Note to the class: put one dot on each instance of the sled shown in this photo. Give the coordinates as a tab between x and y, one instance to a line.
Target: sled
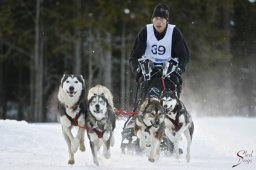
129	141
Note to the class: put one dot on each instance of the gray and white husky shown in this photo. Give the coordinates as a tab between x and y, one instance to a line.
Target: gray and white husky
177	121
101	121
149	127
72	111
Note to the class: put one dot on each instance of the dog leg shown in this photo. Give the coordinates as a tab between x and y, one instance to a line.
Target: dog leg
82	146
80	133
182	129
189	140
176	148
141	138
112	140
77	140
66	127
106	144
169	134
94	144
106	147
155	146
71	160
94	154
106	136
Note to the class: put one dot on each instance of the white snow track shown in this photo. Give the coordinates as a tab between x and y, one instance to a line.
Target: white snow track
216	142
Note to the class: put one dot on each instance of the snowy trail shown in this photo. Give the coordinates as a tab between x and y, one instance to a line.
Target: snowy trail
216	141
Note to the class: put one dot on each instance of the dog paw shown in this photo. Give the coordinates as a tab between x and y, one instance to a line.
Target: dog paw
71	162
151	159
74	145
188	158
112	141
107	154
82	147
177	156
95	161
142	145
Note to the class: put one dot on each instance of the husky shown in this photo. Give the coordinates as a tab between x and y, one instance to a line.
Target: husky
149	127
99	90
72	111
177	121
101	121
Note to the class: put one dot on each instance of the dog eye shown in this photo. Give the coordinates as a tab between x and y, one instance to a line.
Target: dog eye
152	114
67	81
76	81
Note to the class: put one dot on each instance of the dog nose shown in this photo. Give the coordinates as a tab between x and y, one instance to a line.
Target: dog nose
71	88
157	121
97	107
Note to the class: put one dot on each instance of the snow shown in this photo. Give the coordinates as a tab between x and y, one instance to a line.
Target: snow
216	142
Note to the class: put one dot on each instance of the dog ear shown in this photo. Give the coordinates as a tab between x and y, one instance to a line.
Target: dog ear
82	78
161	101
144	105
62	79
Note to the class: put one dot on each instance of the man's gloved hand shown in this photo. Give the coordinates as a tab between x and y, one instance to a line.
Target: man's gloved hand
138	74
173	62
138	70
179	71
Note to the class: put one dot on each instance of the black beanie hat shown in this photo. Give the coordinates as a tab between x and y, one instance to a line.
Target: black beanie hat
161	10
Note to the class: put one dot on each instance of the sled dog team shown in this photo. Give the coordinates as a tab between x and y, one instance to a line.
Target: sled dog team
95	114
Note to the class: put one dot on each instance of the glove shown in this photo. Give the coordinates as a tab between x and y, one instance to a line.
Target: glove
179	71
169	68
173	62
138	75
138	70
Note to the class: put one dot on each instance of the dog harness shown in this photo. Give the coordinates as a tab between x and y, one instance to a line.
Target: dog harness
73	120
177	125
97	126
98	132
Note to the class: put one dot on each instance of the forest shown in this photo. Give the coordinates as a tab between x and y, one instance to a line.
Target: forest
40	40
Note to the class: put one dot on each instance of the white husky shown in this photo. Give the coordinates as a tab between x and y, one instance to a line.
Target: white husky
100	121
72	111
177	121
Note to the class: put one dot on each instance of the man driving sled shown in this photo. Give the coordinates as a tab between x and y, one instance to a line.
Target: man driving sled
159	57
160	42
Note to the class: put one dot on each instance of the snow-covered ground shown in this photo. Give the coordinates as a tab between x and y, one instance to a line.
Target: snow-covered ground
216	142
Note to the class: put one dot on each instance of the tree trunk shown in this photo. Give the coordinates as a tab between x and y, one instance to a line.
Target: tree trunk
128	81
122	65
2	114
31	117
43	102
38	68
99	60
20	92
107	79
77	42
91	53
226	20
